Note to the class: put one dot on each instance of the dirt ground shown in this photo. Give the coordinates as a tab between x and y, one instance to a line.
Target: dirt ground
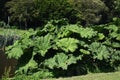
6	65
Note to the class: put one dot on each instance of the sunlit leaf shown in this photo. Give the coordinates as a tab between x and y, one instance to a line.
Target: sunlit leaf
68	44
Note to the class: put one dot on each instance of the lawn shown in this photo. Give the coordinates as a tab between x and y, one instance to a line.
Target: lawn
11	31
95	76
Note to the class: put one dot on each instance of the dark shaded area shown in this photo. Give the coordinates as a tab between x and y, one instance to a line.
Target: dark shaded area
3	11
6	64
83	67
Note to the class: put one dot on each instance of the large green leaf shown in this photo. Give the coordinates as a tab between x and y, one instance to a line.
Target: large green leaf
61	60
63	32
99	51
112	28
51	63
87	32
68	44
42	44
73	28
64	61
15	52
84	32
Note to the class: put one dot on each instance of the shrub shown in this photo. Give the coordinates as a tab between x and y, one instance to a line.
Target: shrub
66	50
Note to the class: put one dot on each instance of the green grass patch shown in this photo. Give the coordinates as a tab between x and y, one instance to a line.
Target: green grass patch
11	31
95	76
91	76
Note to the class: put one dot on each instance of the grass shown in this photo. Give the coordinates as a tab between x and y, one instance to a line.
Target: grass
95	76
91	76
11	31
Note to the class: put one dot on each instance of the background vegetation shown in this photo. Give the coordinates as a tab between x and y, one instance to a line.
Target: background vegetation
35	13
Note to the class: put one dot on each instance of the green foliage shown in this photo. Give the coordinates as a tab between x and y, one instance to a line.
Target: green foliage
99	51
14	52
42	44
56	49
116	21
34	13
117	6
84	32
60	60
114	8
67	44
39	11
91	11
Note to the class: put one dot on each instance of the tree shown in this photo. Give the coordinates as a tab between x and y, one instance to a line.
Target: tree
114	7
38	12
92	11
20	11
